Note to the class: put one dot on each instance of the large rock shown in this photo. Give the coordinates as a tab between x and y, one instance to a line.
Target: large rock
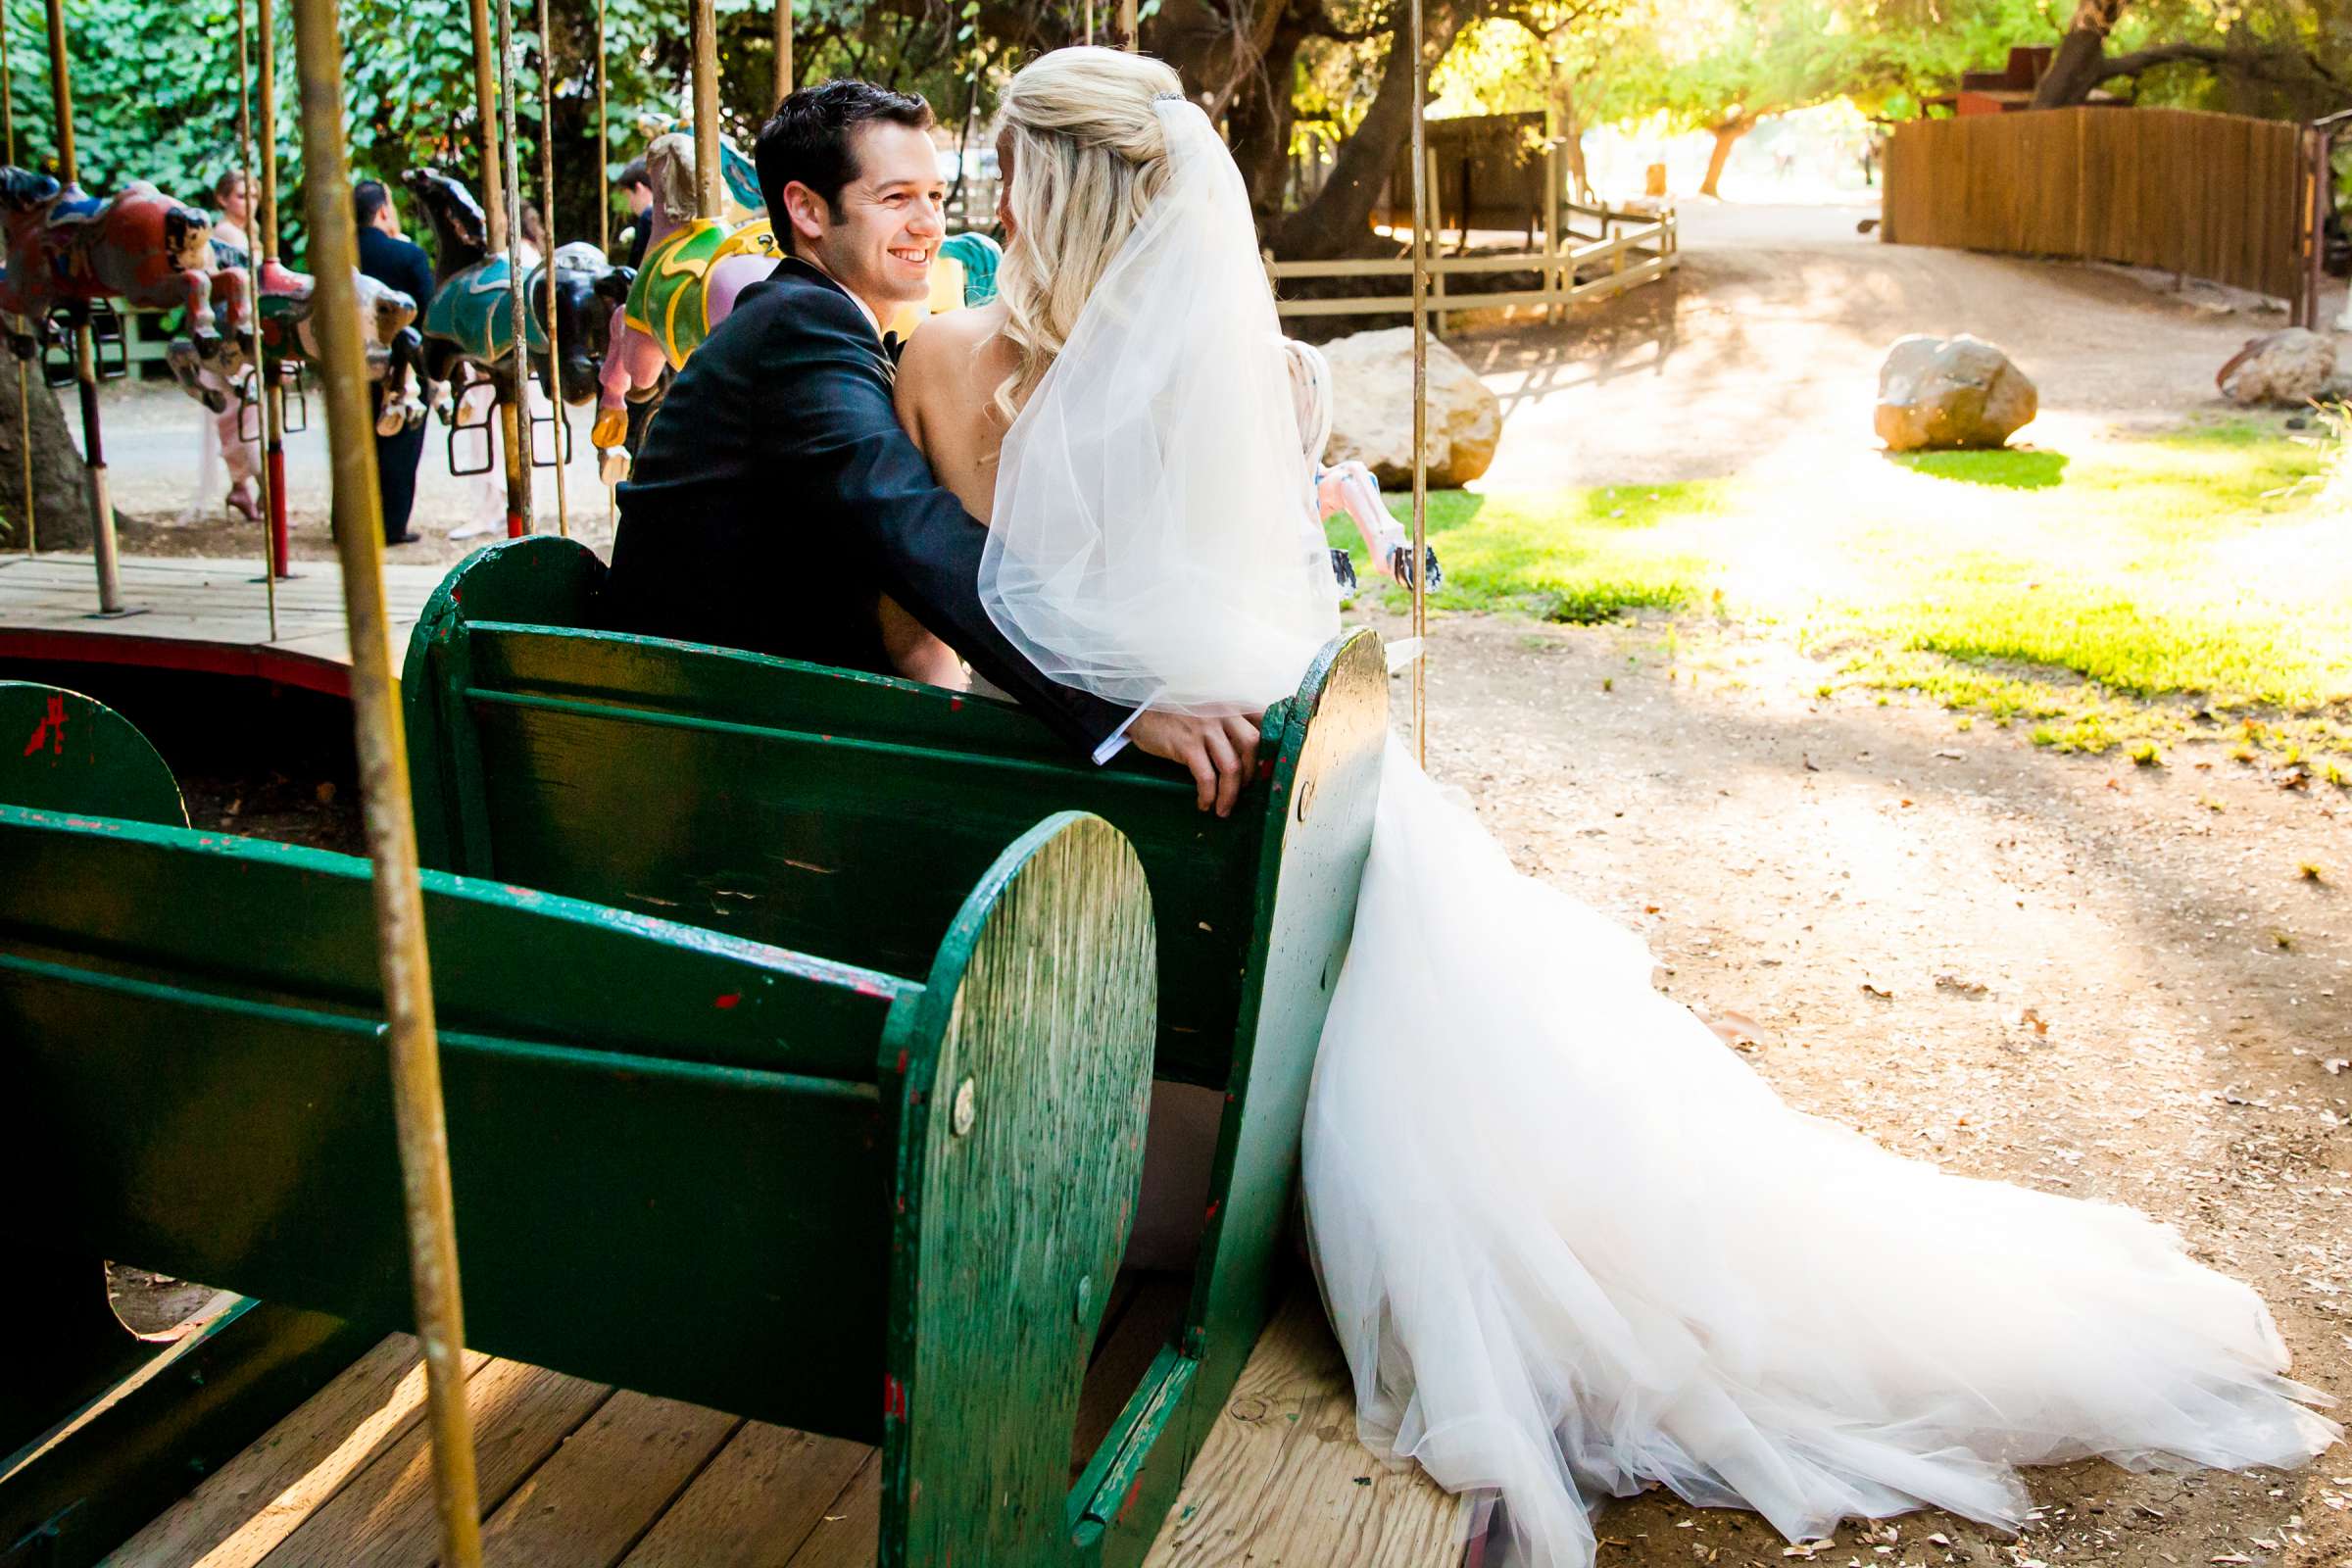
2293	367
1950	392
1372	410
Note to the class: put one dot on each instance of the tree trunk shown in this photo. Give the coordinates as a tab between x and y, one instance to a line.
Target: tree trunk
61	486
1570	128
1336	222
1727	135
1258	124
2082	53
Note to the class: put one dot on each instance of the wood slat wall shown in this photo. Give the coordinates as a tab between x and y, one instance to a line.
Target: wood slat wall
2213	196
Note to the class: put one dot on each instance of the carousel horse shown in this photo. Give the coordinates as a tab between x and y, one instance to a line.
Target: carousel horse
469	322
695	268
67	249
395	350
1347	488
739	199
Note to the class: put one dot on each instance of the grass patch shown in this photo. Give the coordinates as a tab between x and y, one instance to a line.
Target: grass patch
2133	591
2008	469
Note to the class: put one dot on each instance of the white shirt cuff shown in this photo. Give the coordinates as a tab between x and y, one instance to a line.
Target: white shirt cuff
1116	741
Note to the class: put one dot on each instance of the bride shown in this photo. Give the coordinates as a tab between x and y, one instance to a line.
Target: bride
1569	1244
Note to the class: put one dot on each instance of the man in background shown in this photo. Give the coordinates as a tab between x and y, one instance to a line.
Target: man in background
637	189
389	257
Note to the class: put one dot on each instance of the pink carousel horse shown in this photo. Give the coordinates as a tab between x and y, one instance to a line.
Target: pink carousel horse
695	268
67	249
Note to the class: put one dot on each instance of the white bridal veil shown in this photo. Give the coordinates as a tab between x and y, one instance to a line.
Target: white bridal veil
1145	544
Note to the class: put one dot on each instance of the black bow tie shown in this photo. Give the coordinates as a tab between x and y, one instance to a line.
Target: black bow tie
894	346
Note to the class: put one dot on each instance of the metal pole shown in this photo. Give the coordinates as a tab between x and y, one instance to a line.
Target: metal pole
702	25
485	118
547	262
8	123
273	499
415	1051
1421	195
265	211
604	186
85	352
511	409
783	49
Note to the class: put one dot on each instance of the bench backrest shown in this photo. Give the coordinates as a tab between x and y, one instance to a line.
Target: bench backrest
63	752
196	1018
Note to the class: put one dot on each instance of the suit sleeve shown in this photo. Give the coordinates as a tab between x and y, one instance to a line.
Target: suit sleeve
921	544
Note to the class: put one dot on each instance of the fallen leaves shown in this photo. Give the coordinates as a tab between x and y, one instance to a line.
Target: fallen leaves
1962	984
1871	988
2030	1019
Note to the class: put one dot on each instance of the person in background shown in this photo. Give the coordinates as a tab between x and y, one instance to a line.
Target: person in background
223	433
388	257
534	236
637	189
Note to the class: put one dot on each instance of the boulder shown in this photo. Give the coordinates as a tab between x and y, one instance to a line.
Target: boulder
1372	410
1950	392
2294	366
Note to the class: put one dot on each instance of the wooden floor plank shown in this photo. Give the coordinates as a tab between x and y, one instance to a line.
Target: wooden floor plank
754	1505
848	1533
1282	1479
606	1486
214	603
241	1511
383	1518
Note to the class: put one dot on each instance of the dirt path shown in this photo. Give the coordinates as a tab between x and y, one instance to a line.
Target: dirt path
1790	858
1762	354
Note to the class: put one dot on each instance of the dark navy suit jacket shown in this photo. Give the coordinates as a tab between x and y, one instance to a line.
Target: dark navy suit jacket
776	496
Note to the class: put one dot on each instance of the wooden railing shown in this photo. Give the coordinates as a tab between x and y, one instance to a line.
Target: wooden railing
1645	248
2211	196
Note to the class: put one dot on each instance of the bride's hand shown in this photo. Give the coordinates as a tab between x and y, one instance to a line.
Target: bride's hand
1221	753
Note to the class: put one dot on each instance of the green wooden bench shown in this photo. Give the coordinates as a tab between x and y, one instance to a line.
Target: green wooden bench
819	807
883	1205
63	752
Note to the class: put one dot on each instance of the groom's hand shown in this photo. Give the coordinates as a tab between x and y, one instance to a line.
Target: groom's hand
1221	753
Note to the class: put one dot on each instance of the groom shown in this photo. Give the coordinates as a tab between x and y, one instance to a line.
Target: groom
776	496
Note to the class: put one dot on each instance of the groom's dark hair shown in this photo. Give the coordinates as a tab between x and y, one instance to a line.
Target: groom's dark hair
810	139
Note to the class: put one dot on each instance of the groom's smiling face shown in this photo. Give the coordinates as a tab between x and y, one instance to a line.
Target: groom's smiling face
877	241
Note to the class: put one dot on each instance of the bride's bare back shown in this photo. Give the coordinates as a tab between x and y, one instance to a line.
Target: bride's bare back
947	377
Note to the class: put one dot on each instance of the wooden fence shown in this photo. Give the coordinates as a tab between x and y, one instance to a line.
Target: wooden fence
1633	248
2213	196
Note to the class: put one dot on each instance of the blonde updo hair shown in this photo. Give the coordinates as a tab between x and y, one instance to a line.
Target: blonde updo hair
1088	154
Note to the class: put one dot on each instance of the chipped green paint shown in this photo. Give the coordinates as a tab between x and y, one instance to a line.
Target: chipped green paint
727	1146
66	752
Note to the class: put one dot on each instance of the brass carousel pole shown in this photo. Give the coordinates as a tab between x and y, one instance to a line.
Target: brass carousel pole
1420	394
8	125
274	500
604	187
414	1049
703	28
547	262
493	237
514	423
264	213
783	49
85	350
1128	27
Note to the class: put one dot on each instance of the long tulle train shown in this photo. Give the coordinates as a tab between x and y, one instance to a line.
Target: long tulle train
1572	1246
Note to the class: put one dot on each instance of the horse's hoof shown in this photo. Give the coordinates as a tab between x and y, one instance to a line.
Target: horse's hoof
391	421
611	429
614	466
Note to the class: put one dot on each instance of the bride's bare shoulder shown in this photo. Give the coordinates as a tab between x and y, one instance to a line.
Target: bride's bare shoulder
946	346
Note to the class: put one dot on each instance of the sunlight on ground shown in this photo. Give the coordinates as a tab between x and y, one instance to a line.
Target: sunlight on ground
2199	564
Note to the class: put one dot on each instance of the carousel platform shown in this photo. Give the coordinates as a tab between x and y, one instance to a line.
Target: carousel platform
577	1475
201	615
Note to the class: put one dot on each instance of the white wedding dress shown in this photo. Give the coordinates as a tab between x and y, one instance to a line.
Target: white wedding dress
1571	1244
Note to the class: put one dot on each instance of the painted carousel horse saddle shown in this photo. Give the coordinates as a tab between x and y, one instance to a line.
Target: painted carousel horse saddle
473	310
670	301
